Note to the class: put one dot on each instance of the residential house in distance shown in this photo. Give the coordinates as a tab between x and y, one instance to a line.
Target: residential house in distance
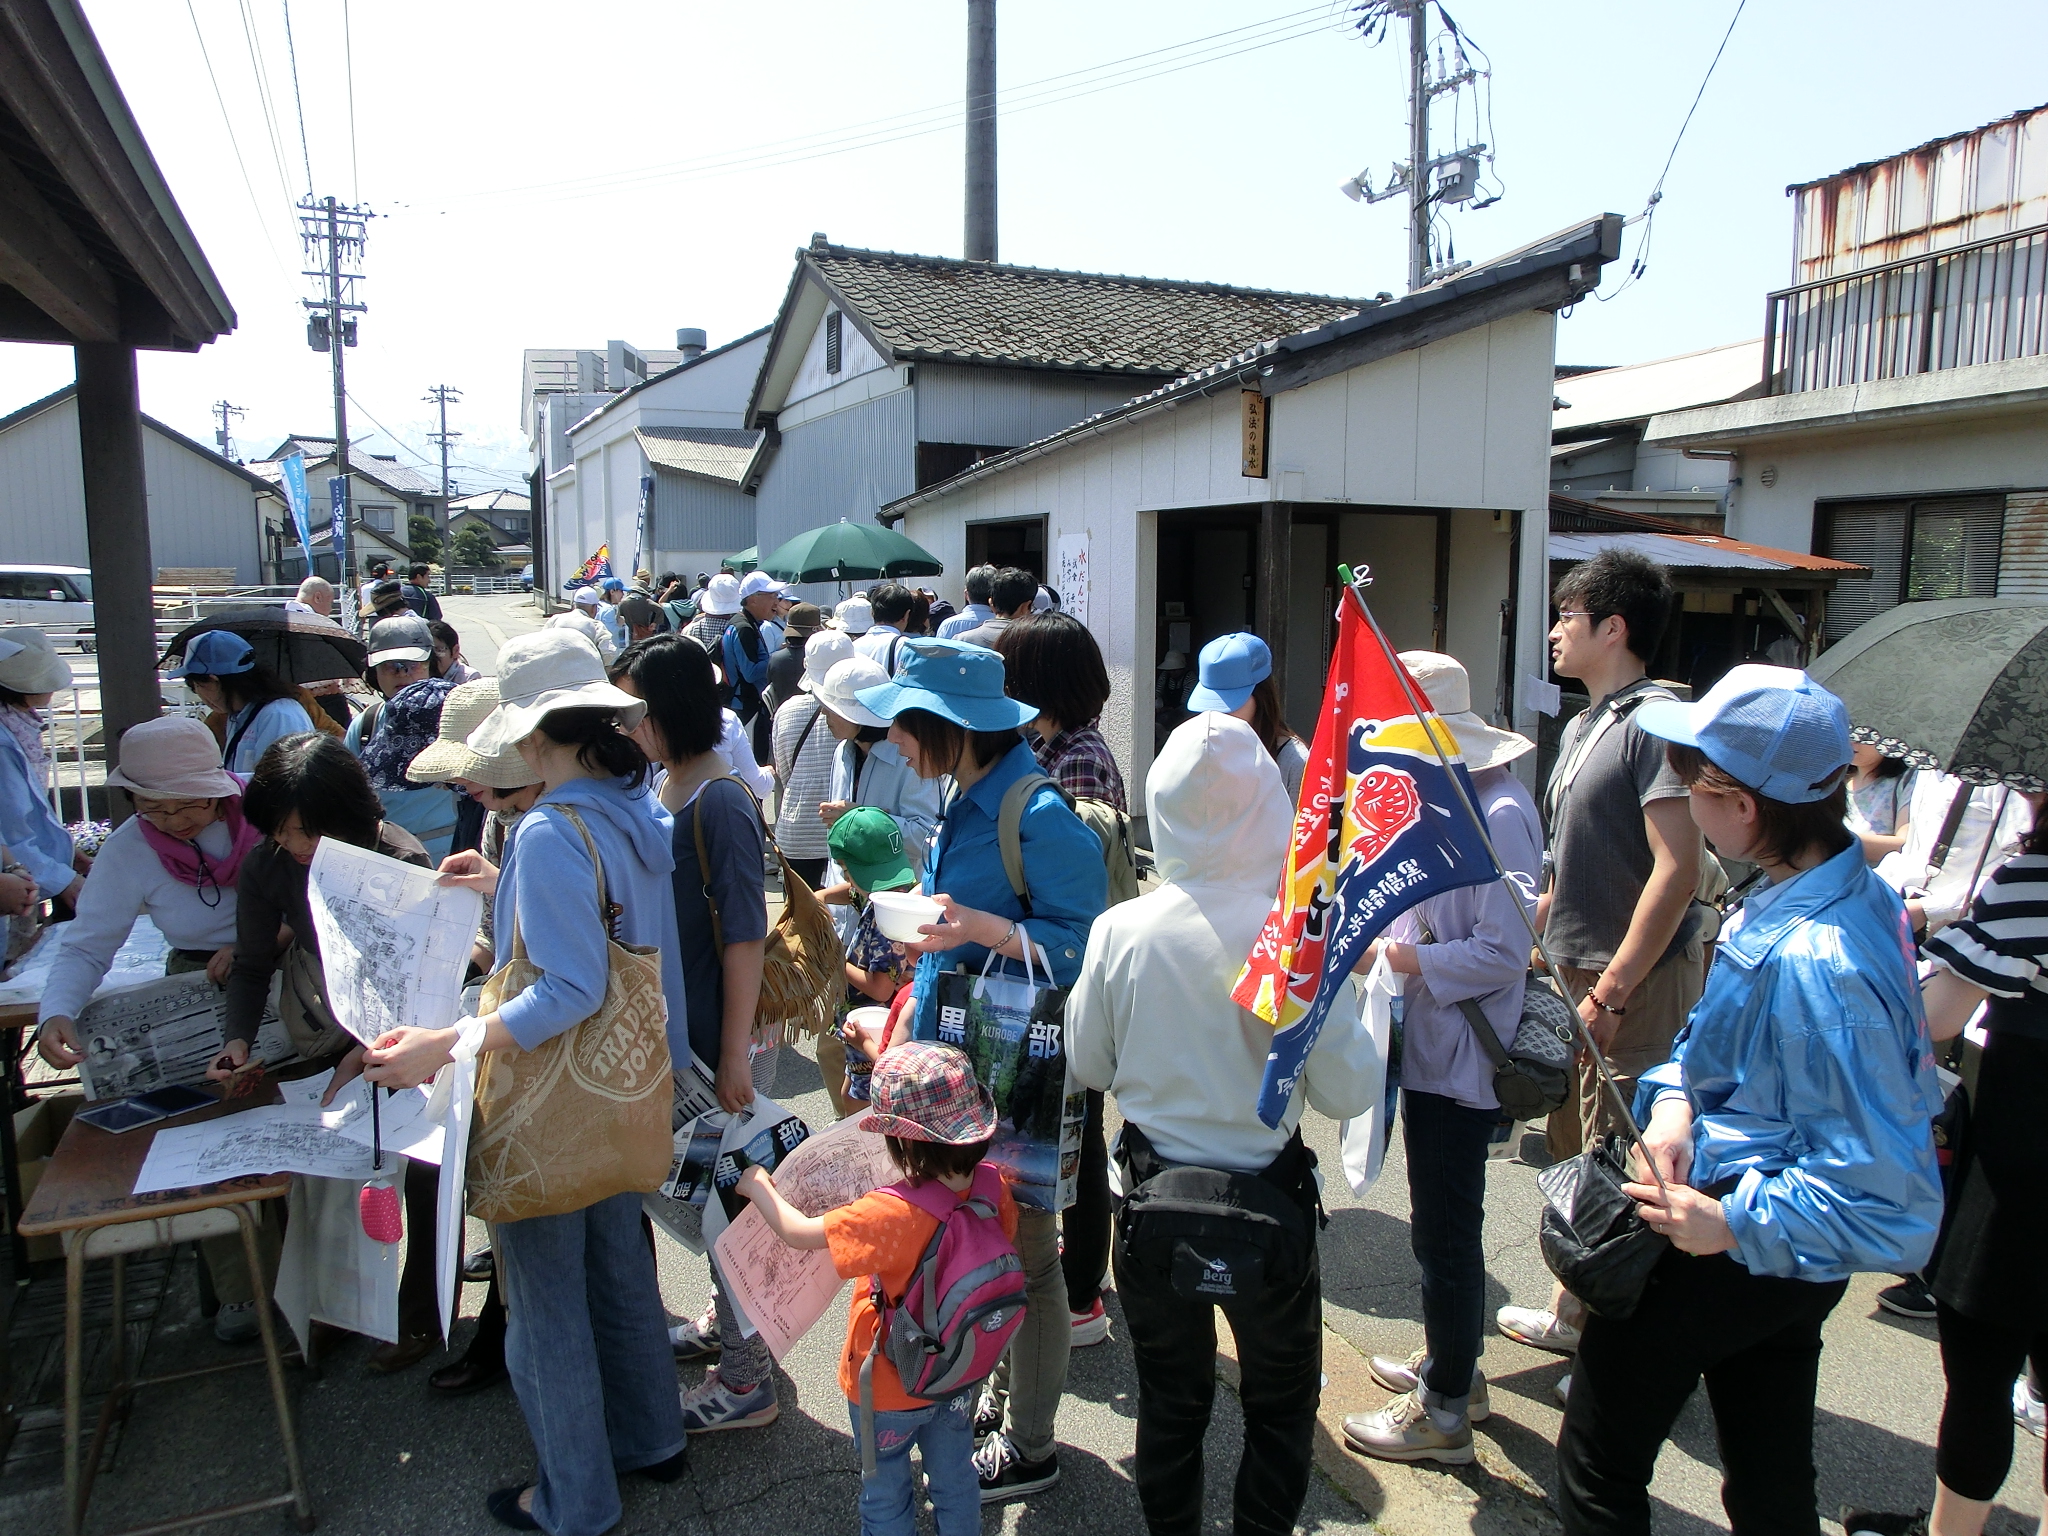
206	513
383	494
656	468
1410	436
506	517
1902	420
887	374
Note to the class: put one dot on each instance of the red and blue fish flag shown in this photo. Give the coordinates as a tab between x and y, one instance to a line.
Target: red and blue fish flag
1379	828
593	570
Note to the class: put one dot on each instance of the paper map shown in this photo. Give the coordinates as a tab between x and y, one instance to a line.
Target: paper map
394	943
781	1290
274	1138
160	1032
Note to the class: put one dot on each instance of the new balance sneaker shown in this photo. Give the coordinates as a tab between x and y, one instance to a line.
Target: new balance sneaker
696	1338
1005	1475
1406	1376
1909	1298
1090	1327
1872	1522
713	1405
236	1322
988	1414
2028	1411
1404	1431
1538	1328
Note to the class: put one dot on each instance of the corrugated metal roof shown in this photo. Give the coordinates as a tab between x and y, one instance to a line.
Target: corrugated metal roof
713	453
1639	391
1699	552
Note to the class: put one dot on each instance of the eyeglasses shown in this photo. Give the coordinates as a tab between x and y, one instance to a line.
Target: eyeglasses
1579	613
166	810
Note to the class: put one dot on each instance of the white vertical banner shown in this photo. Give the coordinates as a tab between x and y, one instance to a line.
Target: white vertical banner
1070	574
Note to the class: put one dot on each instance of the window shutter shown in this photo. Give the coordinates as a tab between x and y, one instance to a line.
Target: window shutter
1873	534
832	342
2023	547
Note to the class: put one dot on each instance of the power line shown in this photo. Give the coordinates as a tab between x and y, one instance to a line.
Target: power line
298	100
235	143
263	100
348	54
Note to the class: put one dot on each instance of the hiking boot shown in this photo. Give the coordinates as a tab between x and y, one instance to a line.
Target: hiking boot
714	1406
1871	1522
1538	1328
1090	1327
1404	1431
1909	1298
1406	1376
696	1338
236	1323
1005	1475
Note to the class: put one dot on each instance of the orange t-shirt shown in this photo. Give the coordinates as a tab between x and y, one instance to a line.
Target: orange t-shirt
881	1234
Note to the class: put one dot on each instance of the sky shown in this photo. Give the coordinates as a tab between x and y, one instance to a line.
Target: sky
549	175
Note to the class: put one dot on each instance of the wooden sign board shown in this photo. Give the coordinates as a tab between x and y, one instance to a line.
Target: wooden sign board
1256	414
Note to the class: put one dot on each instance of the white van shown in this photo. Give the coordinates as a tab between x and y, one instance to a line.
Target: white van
56	598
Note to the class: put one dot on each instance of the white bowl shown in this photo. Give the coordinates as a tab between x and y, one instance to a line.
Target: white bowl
899	914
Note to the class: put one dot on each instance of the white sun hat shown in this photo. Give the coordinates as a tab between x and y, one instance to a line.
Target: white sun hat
856	615
822	652
846	678
1446	685
722	596
540	673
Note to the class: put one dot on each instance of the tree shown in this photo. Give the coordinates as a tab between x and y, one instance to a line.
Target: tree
474	547
424	536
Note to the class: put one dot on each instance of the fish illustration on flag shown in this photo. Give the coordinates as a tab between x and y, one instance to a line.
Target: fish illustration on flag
596	568
1379	828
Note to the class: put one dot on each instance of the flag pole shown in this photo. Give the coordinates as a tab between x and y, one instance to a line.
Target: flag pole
1355	583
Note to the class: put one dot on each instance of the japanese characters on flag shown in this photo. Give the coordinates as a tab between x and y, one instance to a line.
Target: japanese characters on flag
1379	828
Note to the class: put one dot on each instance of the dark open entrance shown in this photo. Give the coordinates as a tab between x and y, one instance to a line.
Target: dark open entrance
1018	541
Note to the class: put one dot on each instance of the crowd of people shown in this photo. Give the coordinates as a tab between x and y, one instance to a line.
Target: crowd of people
1776	1040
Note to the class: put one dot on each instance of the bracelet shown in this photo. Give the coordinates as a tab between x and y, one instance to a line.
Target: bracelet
1606	1007
999	943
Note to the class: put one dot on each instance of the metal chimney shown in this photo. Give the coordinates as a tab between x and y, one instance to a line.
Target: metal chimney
981	130
690	341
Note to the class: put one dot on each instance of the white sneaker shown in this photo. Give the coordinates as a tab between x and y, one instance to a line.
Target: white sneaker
2028	1410
1406	1376
1404	1431
1538	1328
1563	1390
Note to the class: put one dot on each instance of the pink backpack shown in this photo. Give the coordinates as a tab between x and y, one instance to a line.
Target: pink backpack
965	1299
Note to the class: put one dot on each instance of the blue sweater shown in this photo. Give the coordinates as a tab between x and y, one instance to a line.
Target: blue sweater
29	829
549	889
1062	870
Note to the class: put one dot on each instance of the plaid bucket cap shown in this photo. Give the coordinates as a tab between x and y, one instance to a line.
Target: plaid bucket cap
922	1091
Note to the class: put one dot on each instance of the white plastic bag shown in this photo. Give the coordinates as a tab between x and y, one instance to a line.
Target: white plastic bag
1364	1140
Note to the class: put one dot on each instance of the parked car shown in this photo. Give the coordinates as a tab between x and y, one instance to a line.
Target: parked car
526	577
57	598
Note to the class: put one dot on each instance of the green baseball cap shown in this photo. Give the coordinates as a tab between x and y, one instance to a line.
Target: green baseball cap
868	845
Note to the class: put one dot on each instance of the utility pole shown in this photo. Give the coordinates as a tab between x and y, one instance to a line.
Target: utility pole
981	131
223	410
333	234
1418	143
440	395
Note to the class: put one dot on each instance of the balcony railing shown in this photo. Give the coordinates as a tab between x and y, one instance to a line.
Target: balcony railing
1981	303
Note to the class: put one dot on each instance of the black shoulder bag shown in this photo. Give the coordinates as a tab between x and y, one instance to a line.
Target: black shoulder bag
1532	1076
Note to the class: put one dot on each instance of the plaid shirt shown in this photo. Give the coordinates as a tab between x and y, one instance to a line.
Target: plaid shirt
1081	763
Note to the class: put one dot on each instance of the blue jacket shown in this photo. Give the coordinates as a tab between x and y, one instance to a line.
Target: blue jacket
29	829
1812	1082
549	890
1062	870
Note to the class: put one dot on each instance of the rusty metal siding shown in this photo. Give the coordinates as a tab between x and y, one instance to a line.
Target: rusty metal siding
1972	186
2023	551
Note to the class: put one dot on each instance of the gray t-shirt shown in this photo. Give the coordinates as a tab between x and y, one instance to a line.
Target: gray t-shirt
1599	853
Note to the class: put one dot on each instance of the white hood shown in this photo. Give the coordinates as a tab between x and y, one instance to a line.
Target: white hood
1219	812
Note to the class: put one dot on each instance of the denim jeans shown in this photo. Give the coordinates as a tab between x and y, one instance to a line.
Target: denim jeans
944	1436
1446	1146
1034	1369
587	1347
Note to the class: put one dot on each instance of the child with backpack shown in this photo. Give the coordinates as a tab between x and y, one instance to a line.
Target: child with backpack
940	1291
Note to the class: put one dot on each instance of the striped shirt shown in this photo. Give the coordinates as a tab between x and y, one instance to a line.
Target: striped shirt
805	777
2002	945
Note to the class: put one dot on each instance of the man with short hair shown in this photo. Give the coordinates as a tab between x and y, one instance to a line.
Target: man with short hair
1619	917
582	617
1011	595
317	594
642	620
417	596
980	581
890	605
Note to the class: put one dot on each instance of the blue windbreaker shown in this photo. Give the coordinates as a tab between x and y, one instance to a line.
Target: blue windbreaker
1812	1082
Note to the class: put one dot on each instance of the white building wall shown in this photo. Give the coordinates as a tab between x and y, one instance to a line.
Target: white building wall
856	357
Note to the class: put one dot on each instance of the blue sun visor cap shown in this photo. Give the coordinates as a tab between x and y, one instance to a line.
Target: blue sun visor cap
217	653
1772	728
1232	666
957	682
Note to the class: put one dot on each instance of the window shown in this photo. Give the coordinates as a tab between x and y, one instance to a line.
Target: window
383	519
832	342
1916	551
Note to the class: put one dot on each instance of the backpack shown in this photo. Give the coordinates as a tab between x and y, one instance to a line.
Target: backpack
1112	828
948	1330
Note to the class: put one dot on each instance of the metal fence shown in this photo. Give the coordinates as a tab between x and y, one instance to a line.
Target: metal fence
1980	303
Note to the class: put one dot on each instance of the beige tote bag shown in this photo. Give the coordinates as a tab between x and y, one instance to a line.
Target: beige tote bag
584	1116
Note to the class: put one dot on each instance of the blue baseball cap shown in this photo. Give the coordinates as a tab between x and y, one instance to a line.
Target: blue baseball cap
612	584
1772	728
1232	666
955	681
216	653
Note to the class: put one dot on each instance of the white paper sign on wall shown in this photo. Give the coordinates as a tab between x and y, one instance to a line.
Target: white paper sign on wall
1070	574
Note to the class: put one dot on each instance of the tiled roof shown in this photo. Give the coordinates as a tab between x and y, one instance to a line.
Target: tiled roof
490	501
382	468
940	309
715	453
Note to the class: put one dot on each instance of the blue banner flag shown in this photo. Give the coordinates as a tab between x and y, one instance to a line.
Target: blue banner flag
337	495
294	476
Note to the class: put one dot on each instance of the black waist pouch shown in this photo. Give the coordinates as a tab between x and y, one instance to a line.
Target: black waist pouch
1216	1236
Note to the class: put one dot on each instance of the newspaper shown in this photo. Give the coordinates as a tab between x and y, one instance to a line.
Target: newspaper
781	1290
161	1032
394	943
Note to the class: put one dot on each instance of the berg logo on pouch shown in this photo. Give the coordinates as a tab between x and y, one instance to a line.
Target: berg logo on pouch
1216	1278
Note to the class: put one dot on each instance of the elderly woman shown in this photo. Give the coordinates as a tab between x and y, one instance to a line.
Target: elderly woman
30	671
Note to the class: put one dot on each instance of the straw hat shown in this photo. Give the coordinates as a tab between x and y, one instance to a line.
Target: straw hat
540	673
173	757
1448	689
29	663
450	756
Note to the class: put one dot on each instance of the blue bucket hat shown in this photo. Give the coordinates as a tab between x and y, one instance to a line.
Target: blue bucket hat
1232	666
1772	728
217	653
955	681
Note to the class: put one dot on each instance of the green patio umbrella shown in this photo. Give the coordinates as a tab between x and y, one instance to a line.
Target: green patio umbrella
742	562
849	551
1960	685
